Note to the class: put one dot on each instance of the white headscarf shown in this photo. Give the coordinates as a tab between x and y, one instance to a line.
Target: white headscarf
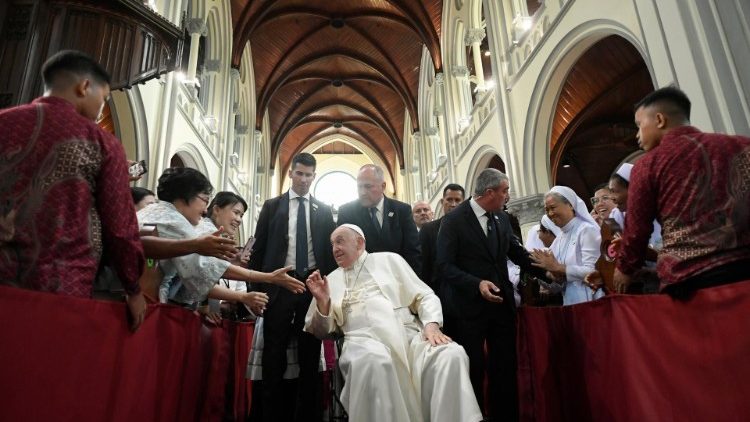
532	239
549	225
582	212
355	228
624	171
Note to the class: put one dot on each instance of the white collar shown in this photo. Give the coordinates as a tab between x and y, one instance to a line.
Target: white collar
478	210
358	263
381	205
293	194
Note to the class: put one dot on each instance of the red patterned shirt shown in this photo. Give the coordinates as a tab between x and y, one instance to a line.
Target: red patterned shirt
64	200
697	185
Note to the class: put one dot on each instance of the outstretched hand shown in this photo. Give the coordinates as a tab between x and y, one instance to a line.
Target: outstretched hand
318	286
215	245
282	279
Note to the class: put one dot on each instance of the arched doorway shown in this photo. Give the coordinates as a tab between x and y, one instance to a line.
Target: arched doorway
593	129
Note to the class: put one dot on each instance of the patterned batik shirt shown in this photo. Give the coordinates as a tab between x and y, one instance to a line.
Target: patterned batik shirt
64	201
697	185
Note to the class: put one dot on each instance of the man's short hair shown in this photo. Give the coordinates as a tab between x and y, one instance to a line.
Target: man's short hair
455	186
182	183
670	100
304	158
76	63
488	179
223	199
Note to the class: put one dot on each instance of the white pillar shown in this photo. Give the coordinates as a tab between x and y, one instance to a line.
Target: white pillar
196	28
474	38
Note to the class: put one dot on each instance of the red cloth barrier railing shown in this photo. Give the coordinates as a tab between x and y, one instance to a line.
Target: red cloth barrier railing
65	358
638	358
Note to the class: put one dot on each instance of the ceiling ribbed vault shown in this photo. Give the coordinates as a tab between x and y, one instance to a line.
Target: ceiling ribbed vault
337	67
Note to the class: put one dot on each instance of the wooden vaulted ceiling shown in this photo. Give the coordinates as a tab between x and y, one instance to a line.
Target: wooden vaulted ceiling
593	129
348	68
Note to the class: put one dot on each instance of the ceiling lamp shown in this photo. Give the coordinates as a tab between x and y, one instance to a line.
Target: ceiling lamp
337	23
338	83
338	124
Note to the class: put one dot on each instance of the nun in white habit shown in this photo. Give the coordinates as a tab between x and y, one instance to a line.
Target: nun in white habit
575	250
397	364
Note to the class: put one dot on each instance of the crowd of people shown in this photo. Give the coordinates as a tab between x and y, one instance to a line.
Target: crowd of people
426	308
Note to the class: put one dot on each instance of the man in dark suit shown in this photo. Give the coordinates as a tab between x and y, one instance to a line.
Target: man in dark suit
293	230
453	195
387	223
474	242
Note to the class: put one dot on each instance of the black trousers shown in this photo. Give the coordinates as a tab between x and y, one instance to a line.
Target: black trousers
496	326
284	318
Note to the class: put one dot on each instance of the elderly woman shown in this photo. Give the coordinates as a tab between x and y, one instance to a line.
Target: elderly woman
576	250
184	194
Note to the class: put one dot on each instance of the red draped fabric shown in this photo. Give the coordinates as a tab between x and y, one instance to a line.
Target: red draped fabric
638	358
67	358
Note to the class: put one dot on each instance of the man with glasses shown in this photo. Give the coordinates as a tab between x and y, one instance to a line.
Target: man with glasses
603	203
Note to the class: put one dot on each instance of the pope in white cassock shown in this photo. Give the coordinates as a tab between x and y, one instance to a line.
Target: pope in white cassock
397	366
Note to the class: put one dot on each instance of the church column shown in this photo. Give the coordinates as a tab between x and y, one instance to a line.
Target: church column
474	38
528	209
196	27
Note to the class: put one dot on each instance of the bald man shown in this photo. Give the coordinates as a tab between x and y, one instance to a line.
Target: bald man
422	212
387	223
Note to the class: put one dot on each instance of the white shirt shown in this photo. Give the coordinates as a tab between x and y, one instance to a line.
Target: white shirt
291	252
480	213
379	213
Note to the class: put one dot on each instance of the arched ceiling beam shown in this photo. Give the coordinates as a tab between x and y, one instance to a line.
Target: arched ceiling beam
343	78
381	114
269	90
358	135
331	120
289	125
281	134
428	31
361	14
276	72
241	33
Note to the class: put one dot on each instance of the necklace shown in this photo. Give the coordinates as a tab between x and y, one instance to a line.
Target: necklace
356	278
352	296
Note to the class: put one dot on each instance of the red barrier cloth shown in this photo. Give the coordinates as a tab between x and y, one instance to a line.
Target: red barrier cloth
638	358
68	358
242	337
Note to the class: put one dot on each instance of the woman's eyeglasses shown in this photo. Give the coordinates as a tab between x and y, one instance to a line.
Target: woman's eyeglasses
596	200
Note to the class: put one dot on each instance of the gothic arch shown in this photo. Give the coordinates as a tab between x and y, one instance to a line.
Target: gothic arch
538	125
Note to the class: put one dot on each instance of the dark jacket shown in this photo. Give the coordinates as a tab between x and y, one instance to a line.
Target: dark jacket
464	258
398	234
272	240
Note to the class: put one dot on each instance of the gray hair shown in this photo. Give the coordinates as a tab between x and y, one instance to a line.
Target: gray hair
558	198
378	171
488	179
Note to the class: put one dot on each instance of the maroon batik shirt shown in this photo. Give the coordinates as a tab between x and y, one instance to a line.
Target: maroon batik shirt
64	199
697	185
